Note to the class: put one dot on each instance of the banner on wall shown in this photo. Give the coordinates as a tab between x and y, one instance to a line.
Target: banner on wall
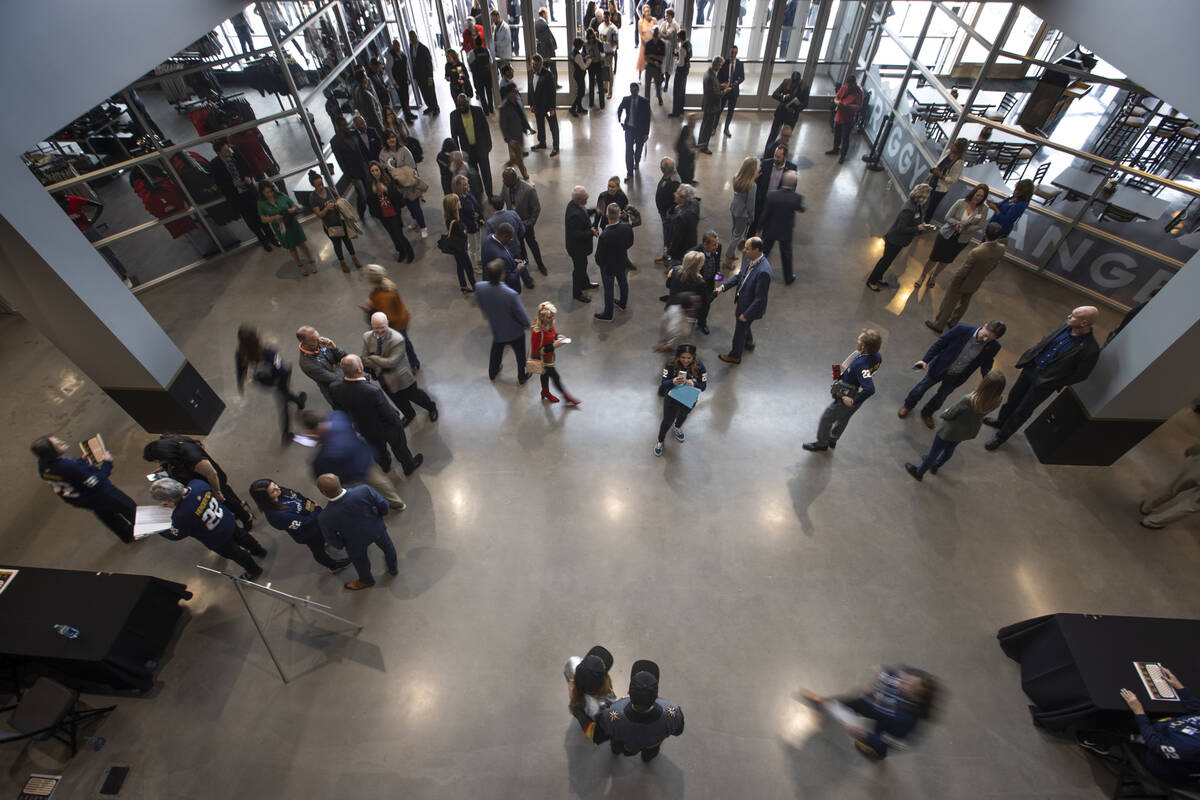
1098	265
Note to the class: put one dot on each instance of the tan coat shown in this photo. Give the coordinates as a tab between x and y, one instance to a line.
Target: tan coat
978	264
391	366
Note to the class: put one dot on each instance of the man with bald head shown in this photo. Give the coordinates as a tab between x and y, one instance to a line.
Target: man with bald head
319	359
374	415
352	520
1064	357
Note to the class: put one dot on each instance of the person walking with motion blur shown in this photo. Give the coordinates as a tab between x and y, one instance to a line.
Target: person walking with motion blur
900	699
543	342
961	422
263	363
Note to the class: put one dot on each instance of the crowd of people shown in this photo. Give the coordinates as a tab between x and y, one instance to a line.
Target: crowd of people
373	393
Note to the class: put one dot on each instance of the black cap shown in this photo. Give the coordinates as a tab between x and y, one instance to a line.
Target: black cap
589	674
686	347
643	683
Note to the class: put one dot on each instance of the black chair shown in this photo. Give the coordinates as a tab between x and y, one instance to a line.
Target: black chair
1011	154
49	709
1134	781
1006	105
1046	192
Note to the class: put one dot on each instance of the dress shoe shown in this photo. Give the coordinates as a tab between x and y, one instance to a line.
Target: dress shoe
706	151
394	570
933	470
338	566
902	412
813	447
750	346
593	286
874	287
538	147
727	133
404	422
433	414
583	298
542	269
842	160
993	443
301	400
832	152
620	306
789	281
911	469
704	329
1149	525
991	422
928	421
602	317
728	359
929	324
248	576
356	584
554	152
418	460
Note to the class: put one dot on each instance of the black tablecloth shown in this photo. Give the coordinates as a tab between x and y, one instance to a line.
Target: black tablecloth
1073	666
124	623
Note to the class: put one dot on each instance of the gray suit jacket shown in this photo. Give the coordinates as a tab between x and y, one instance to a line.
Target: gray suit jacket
323	368
978	264
528	207
546	46
960	421
391	365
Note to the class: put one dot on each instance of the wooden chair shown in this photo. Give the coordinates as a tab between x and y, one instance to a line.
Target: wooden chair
1046	192
1006	105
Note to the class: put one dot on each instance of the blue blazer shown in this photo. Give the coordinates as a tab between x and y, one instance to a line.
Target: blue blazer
355	520
371	151
752	294
492	250
503	309
637	116
941	354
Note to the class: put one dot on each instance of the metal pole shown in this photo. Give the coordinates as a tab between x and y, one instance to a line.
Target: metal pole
875	156
204	221
820	27
860	35
1001	37
314	141
768	62
237	585
915	55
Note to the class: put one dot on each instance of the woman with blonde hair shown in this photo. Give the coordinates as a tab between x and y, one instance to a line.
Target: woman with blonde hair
961	423
686	278
904	228
741	208
543	341
384	297
964	218
455	242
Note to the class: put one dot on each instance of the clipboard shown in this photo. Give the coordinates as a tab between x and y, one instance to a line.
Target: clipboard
687	395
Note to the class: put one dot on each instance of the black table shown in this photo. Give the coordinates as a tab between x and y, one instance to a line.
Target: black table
124	623
1073	666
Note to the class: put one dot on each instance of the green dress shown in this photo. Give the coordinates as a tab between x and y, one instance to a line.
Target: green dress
290	236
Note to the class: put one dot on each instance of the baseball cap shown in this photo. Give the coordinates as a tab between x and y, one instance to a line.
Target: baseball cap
589	675
643	683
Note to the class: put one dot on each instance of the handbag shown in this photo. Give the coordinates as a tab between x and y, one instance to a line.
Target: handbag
635	215
444	244
534	366
335	231
839	389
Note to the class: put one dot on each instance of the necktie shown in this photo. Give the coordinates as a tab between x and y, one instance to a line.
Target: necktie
512	196
378	345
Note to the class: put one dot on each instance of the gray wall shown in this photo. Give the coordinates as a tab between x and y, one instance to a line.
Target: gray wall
60	58
1151	41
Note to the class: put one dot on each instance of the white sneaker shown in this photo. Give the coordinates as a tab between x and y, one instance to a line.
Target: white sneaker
658	448
678	435
424	233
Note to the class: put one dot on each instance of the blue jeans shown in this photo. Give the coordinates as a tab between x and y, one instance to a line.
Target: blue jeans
362	561
666	225
606	281
949	384
939	453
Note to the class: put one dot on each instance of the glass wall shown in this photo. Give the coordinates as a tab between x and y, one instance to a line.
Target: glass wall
1114	209
140	172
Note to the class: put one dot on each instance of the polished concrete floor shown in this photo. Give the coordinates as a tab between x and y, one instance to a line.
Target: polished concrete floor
745	566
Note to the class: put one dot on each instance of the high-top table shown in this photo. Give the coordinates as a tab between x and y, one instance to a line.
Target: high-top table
124	624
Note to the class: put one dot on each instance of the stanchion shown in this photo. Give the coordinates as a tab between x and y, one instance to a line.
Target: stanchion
290	599
875	157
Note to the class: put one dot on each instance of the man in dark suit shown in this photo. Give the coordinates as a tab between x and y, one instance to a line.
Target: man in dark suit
353	520
778	220
544	43
542	101
513	127
710	247
784	140
950	361
770	177
367	139
502	308
732	73
374	415
469	127
522	198
495	247
750	303
232	174
711	102
1064	357
612	256
579	234
351	161
637	127
684	222
422	67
